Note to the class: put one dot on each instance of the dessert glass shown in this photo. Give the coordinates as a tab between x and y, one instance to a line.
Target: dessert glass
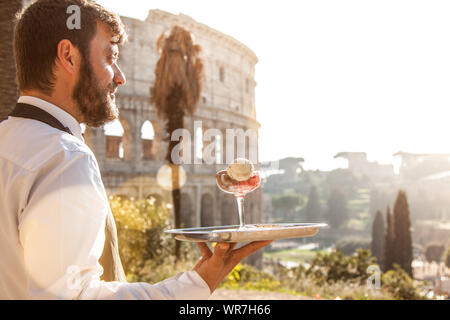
239	189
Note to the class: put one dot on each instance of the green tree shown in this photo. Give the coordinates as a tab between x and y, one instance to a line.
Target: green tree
175	93
342	179
350	245
400	284
389	239
140	230
377	246
335	266
285	205
337	208
434	252
313	209
403	253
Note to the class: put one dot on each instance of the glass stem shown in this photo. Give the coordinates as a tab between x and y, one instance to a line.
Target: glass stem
240	204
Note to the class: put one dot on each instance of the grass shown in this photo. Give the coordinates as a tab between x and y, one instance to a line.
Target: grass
292	255
357	224
247	278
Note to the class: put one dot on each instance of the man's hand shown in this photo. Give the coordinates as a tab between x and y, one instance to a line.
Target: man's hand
214	267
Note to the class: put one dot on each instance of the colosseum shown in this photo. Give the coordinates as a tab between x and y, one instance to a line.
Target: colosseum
129	161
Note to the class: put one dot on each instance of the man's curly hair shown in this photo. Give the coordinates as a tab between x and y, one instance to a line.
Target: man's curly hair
42	25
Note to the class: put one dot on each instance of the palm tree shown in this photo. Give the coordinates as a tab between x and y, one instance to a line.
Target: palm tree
175	93
8	85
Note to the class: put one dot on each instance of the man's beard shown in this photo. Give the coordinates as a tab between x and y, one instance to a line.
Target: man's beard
94	102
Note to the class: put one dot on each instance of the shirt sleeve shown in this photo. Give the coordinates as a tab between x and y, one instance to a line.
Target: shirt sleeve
62	232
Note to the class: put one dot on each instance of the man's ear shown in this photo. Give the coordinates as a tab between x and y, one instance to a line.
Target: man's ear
68	56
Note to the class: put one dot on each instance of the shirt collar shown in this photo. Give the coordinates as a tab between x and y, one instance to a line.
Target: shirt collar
64	117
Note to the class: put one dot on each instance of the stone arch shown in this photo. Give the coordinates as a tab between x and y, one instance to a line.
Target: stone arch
147	138
114	132
128	138
152	149
207	211
118	139
229	210
187	217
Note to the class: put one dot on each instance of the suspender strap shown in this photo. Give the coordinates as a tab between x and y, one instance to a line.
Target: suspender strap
23	110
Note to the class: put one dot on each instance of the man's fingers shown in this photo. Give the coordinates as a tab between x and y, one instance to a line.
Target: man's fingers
224	249
248	249
221	251
221	248
204	250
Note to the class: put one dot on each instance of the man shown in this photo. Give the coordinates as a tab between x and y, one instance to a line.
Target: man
53	206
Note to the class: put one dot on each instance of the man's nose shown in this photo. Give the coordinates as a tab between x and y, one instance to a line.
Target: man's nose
119	77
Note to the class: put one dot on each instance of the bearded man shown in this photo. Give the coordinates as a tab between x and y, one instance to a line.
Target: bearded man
57	234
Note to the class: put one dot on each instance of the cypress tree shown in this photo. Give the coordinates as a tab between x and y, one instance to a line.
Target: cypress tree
313	210
389	239
377	246
403	252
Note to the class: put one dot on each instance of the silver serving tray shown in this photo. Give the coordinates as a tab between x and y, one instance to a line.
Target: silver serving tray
251	232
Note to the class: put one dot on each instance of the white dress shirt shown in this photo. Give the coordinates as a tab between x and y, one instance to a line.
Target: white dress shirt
53	207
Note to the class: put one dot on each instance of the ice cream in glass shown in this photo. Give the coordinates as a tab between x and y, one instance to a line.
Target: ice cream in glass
239	178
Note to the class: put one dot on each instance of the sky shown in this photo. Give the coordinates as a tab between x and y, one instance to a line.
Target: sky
334	76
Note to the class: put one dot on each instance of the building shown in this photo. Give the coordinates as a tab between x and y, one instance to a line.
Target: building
427	166
360	166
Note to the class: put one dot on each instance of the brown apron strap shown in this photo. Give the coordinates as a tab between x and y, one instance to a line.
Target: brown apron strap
23	110
110	259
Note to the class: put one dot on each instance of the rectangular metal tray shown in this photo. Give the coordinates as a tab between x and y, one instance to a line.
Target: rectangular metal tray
251	232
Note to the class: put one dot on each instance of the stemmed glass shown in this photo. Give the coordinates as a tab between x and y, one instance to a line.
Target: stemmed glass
239	189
